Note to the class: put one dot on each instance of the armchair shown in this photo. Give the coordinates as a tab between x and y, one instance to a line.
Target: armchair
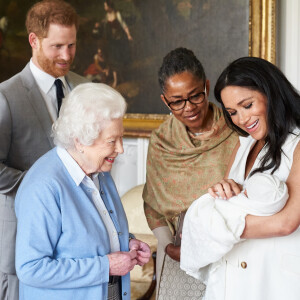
143	279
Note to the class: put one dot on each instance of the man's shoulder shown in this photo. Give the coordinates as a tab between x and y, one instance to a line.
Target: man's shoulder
16	80
10	82
75	79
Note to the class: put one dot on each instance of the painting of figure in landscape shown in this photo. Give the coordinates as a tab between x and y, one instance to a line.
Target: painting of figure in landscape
122	42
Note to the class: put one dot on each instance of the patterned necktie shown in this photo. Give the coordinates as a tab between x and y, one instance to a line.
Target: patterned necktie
59	93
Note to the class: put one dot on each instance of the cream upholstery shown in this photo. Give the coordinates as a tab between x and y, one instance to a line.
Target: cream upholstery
141	277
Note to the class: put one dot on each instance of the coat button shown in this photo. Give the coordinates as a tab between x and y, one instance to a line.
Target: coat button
125	294
243	264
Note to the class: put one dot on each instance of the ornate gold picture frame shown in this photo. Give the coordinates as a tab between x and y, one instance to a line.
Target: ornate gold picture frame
262	43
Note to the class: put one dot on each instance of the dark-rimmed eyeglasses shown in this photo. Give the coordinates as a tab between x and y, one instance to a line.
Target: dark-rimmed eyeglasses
180	104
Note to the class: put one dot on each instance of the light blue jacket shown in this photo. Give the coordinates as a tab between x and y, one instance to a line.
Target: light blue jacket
62	242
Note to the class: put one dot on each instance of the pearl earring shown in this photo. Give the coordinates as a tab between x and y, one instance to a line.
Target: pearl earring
81	151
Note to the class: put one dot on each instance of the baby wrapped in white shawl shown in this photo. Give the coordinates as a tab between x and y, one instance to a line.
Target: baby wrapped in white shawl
212	226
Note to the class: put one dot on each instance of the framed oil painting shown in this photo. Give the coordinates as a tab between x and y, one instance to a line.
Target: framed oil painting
125	49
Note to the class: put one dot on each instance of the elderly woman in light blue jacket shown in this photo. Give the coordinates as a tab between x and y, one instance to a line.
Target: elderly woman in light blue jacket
72	237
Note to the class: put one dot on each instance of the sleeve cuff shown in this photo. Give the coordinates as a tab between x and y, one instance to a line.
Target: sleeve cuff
131	236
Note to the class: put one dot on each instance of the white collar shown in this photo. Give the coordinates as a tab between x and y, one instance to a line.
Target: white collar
44	80
72	166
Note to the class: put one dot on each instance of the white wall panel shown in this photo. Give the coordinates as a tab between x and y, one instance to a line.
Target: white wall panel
289	39
129	168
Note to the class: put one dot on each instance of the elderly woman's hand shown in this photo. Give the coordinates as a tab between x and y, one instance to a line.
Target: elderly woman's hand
225	189
120	263
143	251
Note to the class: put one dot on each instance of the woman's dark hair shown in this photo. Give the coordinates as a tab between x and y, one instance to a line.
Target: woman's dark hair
177	61
283	103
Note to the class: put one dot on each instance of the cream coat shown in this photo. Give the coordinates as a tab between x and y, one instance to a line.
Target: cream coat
261	269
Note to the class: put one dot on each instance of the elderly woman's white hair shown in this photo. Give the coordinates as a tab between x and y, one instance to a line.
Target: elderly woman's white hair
85	112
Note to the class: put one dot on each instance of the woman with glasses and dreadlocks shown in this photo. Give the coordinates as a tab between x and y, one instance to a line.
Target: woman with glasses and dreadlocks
187	154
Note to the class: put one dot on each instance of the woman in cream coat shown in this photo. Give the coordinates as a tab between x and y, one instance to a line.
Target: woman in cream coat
261	104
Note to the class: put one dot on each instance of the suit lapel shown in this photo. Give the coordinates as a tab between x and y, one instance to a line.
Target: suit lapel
35	98
69	81
73	80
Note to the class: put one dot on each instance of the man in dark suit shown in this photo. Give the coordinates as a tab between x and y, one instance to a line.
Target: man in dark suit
29	103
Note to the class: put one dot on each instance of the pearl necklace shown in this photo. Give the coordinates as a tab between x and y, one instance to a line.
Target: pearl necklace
199	133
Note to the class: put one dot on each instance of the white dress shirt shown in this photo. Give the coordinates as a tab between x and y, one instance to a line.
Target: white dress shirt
47	88
79	176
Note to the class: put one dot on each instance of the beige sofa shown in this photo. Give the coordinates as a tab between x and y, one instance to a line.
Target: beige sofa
141	277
